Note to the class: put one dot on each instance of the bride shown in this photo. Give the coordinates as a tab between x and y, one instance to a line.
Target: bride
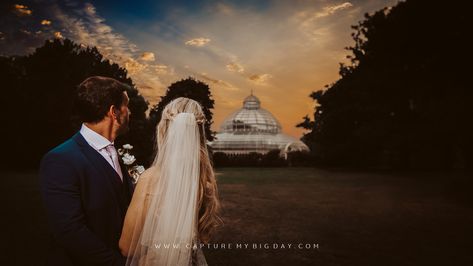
175	204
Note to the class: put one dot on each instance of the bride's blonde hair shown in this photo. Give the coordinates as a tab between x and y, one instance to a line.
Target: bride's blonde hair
208	204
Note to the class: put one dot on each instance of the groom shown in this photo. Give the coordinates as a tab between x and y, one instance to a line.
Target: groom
85	190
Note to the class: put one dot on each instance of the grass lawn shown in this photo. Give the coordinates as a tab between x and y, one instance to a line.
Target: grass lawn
356	218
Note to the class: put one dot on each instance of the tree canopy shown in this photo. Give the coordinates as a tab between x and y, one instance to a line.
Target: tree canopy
190	88
403	101
37	99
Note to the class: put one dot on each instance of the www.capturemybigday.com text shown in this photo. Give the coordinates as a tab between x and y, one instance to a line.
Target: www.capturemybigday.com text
239	245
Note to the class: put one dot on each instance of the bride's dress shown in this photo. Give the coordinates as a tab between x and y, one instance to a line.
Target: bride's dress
135	220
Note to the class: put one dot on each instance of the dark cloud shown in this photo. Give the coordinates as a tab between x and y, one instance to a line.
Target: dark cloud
22	28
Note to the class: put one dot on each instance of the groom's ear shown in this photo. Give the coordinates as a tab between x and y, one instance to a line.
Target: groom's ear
112	112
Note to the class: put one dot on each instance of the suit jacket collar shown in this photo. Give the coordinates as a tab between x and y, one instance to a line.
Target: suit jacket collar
106	169
79	139
89	150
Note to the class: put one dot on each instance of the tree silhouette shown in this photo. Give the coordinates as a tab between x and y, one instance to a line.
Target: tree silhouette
403	101
190	88
37	99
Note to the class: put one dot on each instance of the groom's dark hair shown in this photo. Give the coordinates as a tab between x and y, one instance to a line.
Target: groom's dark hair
95	95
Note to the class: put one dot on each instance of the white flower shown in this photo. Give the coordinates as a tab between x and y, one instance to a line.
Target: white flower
127	147
135	177
128	159
120	151
140	169
135	172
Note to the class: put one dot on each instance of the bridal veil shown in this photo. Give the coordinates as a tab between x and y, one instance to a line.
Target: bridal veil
165	230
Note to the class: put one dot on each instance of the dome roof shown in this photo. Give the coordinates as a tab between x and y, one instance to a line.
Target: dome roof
251	119
251	102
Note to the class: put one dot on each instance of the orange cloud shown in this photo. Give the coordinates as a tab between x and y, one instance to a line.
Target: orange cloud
45	22
329	10
221	83
58	35
235	67
160	69
22	10
147	56
260	78
199	42
134	66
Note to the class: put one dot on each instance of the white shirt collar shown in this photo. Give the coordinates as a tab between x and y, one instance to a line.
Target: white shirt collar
94	139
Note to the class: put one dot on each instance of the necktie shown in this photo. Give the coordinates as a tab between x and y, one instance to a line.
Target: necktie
112	152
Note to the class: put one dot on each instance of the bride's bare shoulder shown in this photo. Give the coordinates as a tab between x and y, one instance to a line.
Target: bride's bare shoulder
149	172
147	179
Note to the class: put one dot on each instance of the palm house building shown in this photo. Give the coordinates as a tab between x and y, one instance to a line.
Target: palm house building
253	129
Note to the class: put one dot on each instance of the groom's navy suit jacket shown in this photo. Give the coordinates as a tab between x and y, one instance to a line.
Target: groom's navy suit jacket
86	202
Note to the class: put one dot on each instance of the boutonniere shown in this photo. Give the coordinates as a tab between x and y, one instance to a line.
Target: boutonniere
128	159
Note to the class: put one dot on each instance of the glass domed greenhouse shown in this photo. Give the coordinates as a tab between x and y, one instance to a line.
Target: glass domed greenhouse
253	129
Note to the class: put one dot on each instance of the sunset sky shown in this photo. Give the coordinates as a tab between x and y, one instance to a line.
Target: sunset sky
282	50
